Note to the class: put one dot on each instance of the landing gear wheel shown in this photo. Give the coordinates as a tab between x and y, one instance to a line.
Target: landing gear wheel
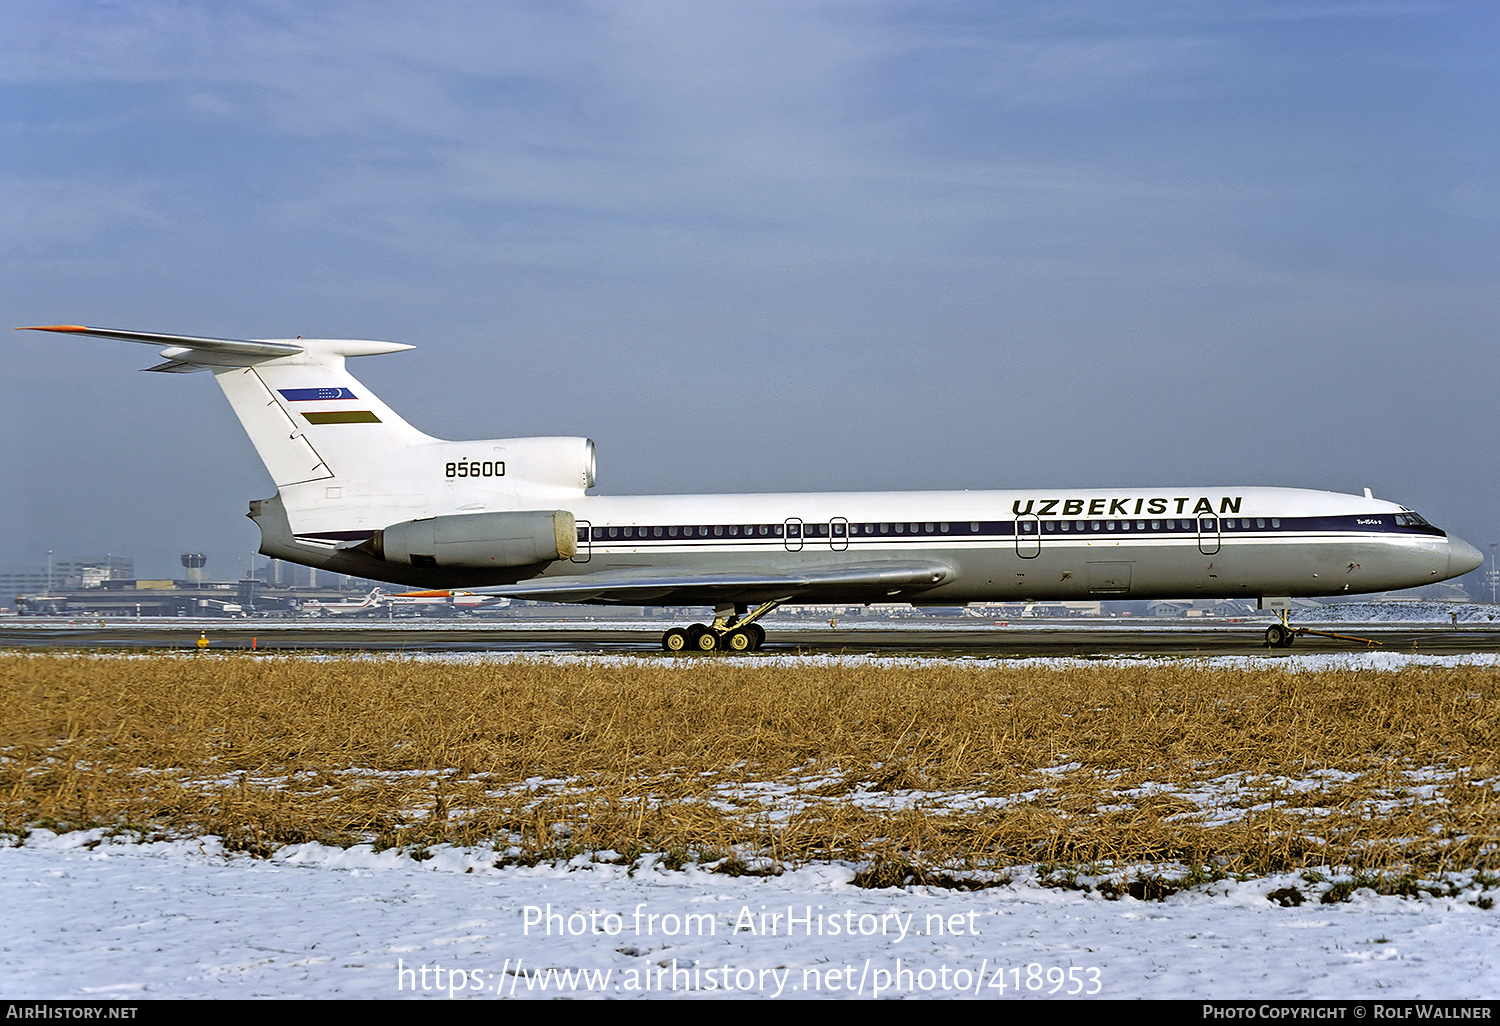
708	641
675	640
694	632
741	640
1278	636
760	636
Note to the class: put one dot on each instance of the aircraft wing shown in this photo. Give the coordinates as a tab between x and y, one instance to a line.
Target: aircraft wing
865	582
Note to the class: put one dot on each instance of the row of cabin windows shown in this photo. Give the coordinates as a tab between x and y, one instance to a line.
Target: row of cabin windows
1205	524
839	529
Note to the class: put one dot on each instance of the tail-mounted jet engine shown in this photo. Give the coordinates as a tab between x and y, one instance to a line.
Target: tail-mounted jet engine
479	540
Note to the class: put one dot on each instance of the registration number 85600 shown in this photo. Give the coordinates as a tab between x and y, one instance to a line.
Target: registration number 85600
476	468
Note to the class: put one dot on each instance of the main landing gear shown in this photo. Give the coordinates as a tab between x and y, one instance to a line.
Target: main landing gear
733	630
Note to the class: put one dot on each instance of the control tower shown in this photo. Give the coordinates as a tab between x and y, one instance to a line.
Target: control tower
194	561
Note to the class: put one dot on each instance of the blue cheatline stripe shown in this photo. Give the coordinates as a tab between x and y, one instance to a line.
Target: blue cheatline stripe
307	395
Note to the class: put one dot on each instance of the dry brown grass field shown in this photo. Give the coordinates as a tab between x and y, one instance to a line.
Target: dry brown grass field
940	766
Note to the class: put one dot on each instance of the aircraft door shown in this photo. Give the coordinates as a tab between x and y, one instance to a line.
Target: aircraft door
838	534
585	541
1028	536
791	535
1208	535
1109	578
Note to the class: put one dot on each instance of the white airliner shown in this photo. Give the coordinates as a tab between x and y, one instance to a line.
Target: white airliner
361	492
374	600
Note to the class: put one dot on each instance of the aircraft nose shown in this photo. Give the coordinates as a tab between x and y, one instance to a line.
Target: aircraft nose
1462	557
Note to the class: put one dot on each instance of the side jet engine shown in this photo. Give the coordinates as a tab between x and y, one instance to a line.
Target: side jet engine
478	540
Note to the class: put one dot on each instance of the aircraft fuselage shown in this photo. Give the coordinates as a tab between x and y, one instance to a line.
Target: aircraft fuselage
995	545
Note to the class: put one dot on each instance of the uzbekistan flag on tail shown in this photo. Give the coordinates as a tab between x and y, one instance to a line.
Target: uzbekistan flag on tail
319	395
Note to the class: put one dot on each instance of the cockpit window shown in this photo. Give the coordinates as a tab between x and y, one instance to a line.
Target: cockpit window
1410	519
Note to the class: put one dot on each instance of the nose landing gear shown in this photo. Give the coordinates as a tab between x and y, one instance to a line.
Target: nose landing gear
1281	635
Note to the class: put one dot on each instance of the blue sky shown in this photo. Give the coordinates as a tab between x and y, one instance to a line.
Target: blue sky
760	246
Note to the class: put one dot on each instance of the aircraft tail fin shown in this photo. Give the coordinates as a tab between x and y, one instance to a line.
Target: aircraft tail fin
308	417
345	464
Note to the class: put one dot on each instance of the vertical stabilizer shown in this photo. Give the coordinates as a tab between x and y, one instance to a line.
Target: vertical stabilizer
343	461
345	464
310	419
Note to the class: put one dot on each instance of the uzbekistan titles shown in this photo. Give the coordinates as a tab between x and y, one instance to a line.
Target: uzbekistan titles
1126	507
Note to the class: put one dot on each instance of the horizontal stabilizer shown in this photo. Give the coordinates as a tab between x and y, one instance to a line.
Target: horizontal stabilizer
191	352
669	586
224	346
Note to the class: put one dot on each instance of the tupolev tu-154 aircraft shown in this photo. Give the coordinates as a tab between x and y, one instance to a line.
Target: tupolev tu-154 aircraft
360	491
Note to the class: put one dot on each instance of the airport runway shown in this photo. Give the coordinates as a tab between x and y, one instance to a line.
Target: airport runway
1033	637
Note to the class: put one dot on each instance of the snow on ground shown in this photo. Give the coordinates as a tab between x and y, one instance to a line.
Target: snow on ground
1401	611
183	920
86	917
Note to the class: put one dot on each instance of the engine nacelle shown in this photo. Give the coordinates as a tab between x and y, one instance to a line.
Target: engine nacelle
480	540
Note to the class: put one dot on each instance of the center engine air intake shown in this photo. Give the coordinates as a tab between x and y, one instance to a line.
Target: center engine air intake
480	540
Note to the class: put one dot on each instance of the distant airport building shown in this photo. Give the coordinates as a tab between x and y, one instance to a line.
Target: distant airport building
78	572
107	586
